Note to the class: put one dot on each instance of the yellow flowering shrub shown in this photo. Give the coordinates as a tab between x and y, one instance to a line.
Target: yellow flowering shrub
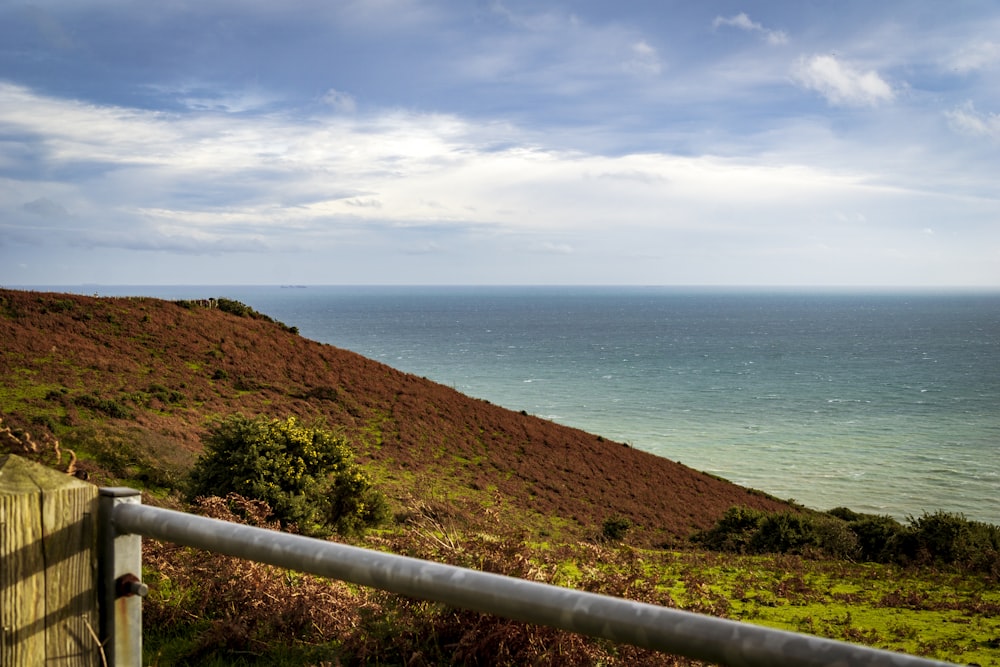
306	474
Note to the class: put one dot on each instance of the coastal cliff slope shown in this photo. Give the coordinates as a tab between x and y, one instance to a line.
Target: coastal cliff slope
160	371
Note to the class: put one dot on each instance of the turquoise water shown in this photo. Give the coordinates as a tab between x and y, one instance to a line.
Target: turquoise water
883	402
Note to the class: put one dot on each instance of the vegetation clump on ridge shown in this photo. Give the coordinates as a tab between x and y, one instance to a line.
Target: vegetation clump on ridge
935	539
234	307
137	387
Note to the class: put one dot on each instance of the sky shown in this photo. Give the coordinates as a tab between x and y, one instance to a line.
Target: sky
798	143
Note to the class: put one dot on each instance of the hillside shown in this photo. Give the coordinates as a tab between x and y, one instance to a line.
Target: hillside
149	374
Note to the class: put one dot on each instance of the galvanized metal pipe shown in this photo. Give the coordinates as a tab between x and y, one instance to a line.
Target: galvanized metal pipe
119	560
624	621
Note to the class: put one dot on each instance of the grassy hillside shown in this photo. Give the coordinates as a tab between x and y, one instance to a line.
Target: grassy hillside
148	374
122	390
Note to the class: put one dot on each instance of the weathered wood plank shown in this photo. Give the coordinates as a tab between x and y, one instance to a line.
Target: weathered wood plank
47	566
22	574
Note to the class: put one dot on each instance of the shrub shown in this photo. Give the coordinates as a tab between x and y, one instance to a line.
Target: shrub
61	305
45	421
306	474
744	530
240	309
107	406
132	455
846	514
234	307
615	527
934	539
878	537
166	395
807	534
734	531
951	539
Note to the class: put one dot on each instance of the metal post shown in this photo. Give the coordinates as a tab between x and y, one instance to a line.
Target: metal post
120	588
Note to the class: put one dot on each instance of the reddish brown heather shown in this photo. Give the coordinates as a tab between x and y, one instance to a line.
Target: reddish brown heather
196	363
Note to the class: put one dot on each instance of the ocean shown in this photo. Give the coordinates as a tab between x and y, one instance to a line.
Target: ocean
884	402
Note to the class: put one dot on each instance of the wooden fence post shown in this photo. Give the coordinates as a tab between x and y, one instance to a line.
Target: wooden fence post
48	574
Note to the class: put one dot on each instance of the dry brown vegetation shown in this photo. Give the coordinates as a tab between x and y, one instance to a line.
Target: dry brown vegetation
157	370
235	607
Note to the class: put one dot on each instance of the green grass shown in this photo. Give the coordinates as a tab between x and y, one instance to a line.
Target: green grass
30	400
923	612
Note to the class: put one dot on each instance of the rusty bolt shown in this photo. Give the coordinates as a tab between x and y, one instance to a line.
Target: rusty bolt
128	585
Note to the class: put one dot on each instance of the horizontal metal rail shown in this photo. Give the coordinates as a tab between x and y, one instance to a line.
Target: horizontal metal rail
624	621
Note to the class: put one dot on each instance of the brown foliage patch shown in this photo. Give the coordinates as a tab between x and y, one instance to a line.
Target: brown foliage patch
170	367
239	608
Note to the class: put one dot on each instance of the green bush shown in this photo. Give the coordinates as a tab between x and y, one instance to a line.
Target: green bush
734	531
745	530
234	307
806	534
306	474
934	539
110	407
944	538
131	455
615	527
240	309
878	537
166	395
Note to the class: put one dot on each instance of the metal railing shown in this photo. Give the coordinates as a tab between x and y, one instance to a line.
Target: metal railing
123	520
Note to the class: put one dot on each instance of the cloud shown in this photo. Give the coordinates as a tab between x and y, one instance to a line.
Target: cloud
46	208
207	97
743	22
276	178
967	120
979	55
841	84
389	184
201	180
551	248
363	202
340	101
644	60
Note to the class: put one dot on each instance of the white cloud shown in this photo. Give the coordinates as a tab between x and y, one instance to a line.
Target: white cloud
551	248
743	22
967	120
374	184
340	101
644	60
979	55
841	84
214	178
205	96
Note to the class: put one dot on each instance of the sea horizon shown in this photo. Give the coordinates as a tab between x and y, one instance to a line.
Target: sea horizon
116	288
881	399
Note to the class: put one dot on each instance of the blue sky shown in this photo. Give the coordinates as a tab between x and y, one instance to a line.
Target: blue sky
417	142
